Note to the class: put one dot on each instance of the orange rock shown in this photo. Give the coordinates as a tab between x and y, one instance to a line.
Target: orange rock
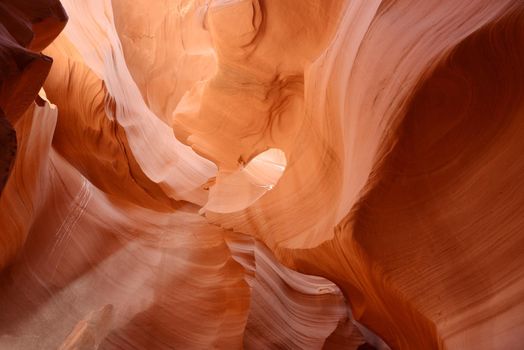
254	174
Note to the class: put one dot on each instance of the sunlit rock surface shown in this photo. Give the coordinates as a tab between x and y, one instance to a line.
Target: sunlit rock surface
261	174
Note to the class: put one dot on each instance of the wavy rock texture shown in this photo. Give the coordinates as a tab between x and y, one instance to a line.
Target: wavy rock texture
282	298
25	29
261	174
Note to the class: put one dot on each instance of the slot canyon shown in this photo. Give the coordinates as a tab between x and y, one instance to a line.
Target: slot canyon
261	174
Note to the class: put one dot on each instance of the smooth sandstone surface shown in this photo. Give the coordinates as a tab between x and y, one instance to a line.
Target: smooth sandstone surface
261	174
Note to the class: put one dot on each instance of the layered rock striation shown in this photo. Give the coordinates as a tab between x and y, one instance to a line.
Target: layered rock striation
261	174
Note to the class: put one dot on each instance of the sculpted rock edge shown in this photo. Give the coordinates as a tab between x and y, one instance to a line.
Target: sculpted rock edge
261	174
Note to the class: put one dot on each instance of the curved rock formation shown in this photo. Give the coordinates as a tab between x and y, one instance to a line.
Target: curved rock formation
25	29
261	174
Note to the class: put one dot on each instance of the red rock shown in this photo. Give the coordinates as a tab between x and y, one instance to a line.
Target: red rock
261	174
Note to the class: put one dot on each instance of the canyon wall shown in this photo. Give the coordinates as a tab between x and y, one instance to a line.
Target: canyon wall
261	174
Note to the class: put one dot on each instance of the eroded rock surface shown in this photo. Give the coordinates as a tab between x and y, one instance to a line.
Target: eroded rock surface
261	174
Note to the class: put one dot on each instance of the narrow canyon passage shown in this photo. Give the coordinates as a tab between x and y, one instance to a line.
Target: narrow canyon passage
261	174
